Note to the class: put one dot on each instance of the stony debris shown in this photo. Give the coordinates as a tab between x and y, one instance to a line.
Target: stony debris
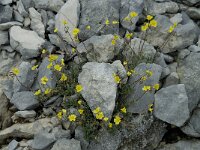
171	105
5	13
8	25
67	144
25	114
3	37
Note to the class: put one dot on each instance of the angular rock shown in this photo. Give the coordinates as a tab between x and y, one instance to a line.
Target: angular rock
5	114
63	144
36	22
25	130
193	13
7	86
3	37
99	87
24	100
25	79
194	48
25	114
5	13
100	48
5	65
189	72
26	42
13	145
18	16
136	100
79	135
8	25
172	79
52	5
28	4
21	9
70	12
127	7
5	2
90	15
171	105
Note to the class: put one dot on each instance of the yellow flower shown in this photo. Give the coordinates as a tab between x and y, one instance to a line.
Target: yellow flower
57	67
125	63
38	92
153	23
44	51
150	108
64	22
63	77
113	42
55	30
72	117
149	17
116	37
156	86
129	35
62	62
73	50
34	67
171	29
132	71
133	14
79	102
105	118
149	73
144	78
146	88
44	80
88	27
97	110
49	65
123	110
117	120
110	125
145	27
59	114
79	88
47	91
75	31
129	73
81	111
117	78
15	71
107	22
115	22
53	57
127	18
64	111
100	115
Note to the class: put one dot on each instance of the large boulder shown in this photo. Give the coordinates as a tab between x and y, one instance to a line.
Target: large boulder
99	86
95	13
28	43
170	103
69	12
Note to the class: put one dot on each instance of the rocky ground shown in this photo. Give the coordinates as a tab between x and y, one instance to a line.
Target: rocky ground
166	118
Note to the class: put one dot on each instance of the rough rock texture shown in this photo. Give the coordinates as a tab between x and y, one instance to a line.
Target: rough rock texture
8	25
99	87
136	100
69	12
171	105
25	114
64	144
3	37
5	13
100	48
26	42
95	13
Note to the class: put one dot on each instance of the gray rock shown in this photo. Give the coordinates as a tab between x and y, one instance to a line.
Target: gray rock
70	12
136	100
4	37
5	2
52	5
26	42
21	9
28	4
25	114
25	79
184	35
36	22
5	114
127	7
193	13
5	13
8	25
64	144
13	145
100	48
135	50
194	48
59	133
56	40
24	100
25	130
79	135
170	103
27	22
43	140
183	53
173	67
168	58
191	144
99	87
172	79
18	16
90	15
189	71
177	18
7	86
155	8
7	48
5	65
198	42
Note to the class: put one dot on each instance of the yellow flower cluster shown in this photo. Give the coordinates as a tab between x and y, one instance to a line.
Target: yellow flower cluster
99	114
53	57
79	88
72	117
171	28
151	23
34	67
15	71
38	92
61	113
44	80
117	120
148	88
114	40
116	78
129	35
63	77
150	108
131	15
